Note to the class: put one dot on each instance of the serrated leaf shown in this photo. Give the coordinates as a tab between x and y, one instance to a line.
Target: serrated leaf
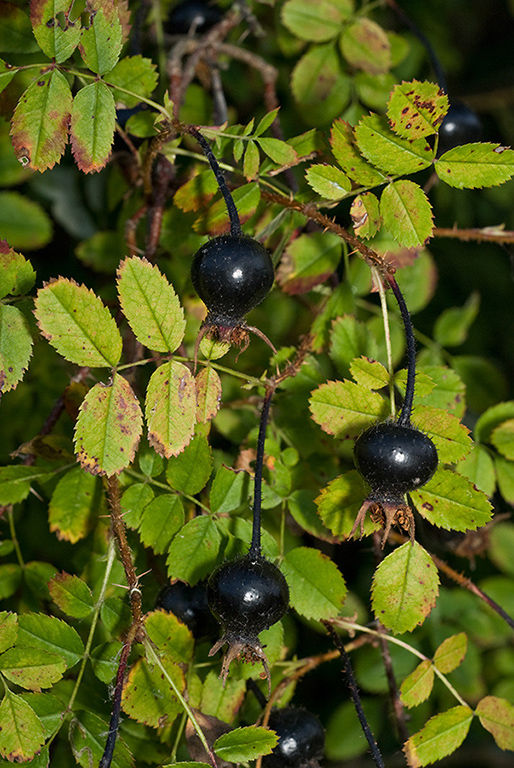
21	731
170	635
342	140
108	428
229	490
56	40
406	213
93	120
190	471
40	121
417	686
17	275
136	74
48	708
316	587
150	305
365	45
478	467
278	151
316	22
101	41
15	347
502	437
450	436
345	409
369	373
74	504
416	109
23	223
87	735
77	324
8	630
441	736
15	482
320	85
72	595
349	339
147	696
365	213
170	408
451	653
35	630
308	260
162	518
208	394
476	165
452	326
244	744
251	161
452	502
497	717
329	182
340	501
32	668
194	551
389	152
405	588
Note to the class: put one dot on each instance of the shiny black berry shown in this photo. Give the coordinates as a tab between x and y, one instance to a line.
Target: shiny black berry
460	125
301	739
189	604
192	16
246	595
231	274
395	459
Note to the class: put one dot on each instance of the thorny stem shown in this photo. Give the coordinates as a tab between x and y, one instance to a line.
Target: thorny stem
255	546
404	417
354	693
114	722
235	224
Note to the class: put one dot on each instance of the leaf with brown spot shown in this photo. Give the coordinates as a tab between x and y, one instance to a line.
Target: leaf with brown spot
416	109
470	166
365	45
147	695
101	40
450	501
442	735
497	717
208	394
93	121
170	408
56	34
389	152
21	732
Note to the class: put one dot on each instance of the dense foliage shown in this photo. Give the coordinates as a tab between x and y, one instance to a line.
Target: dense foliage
130	422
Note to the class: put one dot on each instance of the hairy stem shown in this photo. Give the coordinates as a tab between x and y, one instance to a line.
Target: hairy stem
404	416
255	546
387	337
114	722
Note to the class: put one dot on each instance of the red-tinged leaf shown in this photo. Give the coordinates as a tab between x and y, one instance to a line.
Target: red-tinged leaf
57	36
416	109
21	731
40	122
365	45
417	686
497	717
108	428
406	213
124	14
208	394
15	347
451	653
170	408
345	409
93	121
441	736
32	668
308	261
215	221
196	193
16	273
365	213
101	41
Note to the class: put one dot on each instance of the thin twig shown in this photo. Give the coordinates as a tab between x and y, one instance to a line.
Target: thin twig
404	417
255	546
485	235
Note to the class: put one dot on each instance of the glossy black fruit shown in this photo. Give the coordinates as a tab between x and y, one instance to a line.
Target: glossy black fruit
189	604
192	15
231	274
301	739
460	125
394	459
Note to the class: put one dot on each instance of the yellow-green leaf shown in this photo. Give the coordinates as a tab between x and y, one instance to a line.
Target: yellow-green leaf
406	213
441	736
93	121
170	408
451	652
21	731
497	717
416	109
417	686
476	165
452	502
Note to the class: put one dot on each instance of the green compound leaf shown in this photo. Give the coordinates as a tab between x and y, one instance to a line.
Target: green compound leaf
251	161
345	409
162	518
21	731
101	41
15	347
452	502
208	394
497	717
345	151
339	503
108	428
32	668
87	739
74	505
317	588
244	744
365	45
56	40
417	686
317	22
72	595
320	85
389	152
40	121
136	74
189	472
23	223
279	151
148	697
150	305
308	261
451	438
8	630
476	165
405	588
6	74
406	213
369	373
15	482
441	736
170	408
77	324
502	437
17	275
171	636
35	630
328	181
416	109
93	121
365	213
194	551
451	653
